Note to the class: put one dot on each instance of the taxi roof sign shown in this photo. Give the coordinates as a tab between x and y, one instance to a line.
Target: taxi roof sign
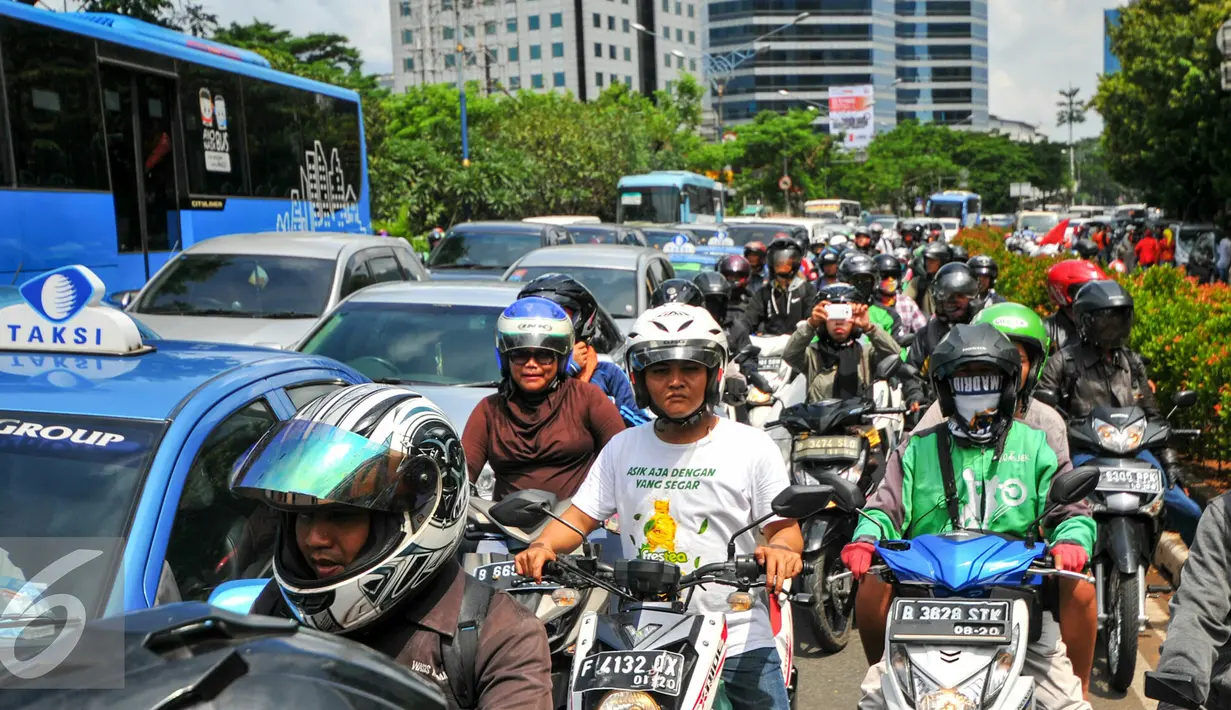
63	312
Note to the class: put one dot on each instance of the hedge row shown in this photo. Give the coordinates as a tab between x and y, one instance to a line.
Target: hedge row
1182	328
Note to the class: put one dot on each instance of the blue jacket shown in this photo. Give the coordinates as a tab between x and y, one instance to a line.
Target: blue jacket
609	378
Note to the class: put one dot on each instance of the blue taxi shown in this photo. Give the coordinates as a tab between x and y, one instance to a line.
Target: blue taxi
124	446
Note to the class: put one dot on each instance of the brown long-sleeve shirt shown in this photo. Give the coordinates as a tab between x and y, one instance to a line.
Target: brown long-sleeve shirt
549	447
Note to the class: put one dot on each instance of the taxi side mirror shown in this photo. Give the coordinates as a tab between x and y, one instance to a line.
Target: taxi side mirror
237	595
122	299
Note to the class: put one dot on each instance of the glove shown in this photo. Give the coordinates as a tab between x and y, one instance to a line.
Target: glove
1069	556
857	556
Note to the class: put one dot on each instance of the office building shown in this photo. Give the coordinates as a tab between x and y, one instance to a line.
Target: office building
1111	19
926	59
546	45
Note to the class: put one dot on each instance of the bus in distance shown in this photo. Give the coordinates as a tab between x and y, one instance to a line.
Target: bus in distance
669	197
844	210
961	205
122	142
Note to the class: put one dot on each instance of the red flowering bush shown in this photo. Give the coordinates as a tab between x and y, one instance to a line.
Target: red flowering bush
1182	328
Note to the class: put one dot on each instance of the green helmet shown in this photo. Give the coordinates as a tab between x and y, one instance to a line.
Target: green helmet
1021	325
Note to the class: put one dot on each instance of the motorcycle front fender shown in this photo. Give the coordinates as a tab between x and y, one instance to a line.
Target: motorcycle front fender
815	529
831	528
1125	541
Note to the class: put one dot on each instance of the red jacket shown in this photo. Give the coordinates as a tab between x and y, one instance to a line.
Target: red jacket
1147	250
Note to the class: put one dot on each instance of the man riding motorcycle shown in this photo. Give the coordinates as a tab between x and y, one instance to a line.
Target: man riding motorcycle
579	304
542	429
827	263
863	241
956	294
985	271
716	292
676	357
890	297
369	486
677	291
1064	280
1078	616
738	272
1101	370
859	270
882	238
755	253
1006	468
926	262
829	351
784	301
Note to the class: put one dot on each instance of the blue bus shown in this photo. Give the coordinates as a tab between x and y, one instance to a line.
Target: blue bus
955	204
669	197
122	142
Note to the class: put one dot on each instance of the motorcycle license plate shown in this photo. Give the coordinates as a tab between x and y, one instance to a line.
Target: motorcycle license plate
943	620
1132	480
655	671
500	575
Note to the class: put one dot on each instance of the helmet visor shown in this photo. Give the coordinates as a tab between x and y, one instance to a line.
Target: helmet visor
539	334
301	464
1110	328
702	352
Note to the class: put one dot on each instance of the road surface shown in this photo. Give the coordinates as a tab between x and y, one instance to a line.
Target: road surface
832	682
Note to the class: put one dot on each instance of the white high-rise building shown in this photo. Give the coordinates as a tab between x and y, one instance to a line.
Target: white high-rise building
581	46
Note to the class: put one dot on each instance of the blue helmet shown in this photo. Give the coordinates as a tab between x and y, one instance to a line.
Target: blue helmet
534	323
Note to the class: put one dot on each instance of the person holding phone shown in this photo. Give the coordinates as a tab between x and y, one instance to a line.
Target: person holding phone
828	349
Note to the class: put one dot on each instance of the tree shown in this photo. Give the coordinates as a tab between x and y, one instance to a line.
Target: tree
192	18
1165	115
157	12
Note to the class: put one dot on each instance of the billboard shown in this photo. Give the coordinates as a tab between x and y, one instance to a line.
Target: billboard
850	114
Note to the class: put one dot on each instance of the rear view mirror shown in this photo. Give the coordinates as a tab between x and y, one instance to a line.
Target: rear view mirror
1046	396
888	367
1184	399
122	299
797	502
523	509
237	595
846	495
1073	486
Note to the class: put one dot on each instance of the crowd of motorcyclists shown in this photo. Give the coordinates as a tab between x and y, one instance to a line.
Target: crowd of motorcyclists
369	539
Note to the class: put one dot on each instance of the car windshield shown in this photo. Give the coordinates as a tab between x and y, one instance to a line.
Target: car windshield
659	205
942	208
594	235
886	222
614	289
64	477
474	249
418	343
741	234
241	286
1038	222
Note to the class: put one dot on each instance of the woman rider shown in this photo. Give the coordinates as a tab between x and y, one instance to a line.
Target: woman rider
542	429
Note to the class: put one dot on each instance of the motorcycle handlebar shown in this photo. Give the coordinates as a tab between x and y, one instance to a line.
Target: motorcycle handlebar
1186	432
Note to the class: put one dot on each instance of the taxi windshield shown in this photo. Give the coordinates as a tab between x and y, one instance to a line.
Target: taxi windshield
241	286
70	477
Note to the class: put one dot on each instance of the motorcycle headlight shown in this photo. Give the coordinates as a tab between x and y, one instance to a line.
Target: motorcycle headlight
946	700
1120	440
998	673
628	700
899	663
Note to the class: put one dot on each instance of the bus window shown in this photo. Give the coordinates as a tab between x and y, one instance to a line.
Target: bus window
54	108
275	146
973	209
213	147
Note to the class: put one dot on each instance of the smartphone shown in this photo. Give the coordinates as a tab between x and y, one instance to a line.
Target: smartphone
838	311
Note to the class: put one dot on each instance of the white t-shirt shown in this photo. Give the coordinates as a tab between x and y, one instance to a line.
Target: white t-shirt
681	503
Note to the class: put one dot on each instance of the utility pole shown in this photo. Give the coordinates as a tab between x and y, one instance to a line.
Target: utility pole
1071	111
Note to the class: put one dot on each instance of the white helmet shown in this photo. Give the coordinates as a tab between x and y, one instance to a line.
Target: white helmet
386	450
838	240
675	331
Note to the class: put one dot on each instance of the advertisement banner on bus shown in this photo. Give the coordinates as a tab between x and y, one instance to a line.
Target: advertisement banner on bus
850	114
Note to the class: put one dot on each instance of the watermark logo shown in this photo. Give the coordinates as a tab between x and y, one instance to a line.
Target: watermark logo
51	589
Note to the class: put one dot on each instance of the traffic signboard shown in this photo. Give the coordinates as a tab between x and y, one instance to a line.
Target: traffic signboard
784	183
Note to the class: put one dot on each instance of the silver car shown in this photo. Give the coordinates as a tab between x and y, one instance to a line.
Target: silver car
266	289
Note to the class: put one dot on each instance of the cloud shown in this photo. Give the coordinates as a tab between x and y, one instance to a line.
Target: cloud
1038	47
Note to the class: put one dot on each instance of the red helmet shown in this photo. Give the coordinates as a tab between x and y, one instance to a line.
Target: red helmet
1064	279
735	269
755	248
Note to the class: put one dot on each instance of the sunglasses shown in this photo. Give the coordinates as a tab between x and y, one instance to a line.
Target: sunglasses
521	358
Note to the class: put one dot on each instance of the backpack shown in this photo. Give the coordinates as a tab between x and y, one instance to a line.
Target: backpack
460	653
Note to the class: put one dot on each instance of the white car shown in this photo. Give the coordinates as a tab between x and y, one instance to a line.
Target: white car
265	289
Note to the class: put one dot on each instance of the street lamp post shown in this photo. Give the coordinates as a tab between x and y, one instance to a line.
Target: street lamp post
461	82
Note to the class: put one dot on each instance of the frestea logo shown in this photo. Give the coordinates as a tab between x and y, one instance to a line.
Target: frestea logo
60	295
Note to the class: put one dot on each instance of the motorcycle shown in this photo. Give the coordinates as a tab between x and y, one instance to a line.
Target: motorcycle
967	604
834	436
650	651
786	387
488	549
1127	505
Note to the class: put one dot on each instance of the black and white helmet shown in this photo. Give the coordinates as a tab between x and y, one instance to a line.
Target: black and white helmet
672	332
384	449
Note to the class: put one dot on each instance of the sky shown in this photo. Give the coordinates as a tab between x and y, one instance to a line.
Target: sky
1036	47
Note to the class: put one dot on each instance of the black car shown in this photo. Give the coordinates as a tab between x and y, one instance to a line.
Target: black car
480	250
607	234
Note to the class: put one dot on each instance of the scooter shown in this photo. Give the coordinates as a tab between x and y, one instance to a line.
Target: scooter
650	651
833	437
1127	506
967	604
787	387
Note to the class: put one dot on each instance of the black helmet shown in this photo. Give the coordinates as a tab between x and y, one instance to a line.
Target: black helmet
983	265
838	293
784	249
1086	248
194	655
716	291
828	257
677	291
861	232
1104	314
950	281
734	268
573	297
858	270
888	273
959	397
958	253
938	251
